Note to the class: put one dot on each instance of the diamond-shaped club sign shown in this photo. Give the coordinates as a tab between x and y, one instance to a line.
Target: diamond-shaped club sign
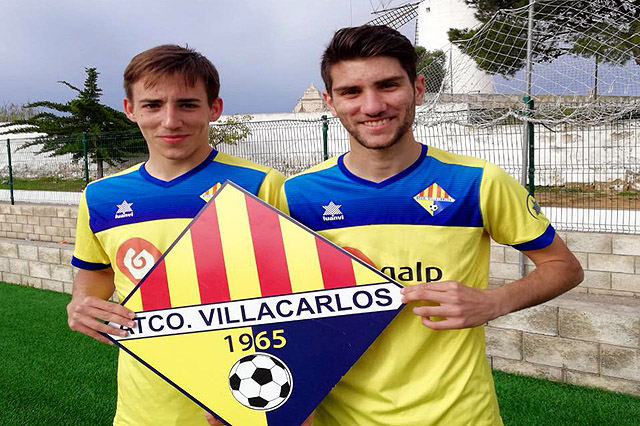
253	316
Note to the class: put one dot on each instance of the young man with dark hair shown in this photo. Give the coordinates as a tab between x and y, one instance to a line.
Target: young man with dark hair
126	221
425	217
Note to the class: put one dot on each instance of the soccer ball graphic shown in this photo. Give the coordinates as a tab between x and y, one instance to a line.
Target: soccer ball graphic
260	381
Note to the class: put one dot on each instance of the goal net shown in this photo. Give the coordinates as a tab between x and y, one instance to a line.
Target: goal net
585	65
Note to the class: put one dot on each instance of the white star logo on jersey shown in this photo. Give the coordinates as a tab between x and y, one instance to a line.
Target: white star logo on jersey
124	210
332	212
533	207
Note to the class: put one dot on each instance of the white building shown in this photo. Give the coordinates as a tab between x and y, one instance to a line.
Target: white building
311	101
435	18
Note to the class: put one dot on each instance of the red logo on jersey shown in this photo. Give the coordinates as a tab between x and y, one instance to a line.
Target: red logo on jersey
360	255
136	257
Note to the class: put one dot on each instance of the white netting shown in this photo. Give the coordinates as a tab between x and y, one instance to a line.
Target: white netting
585	66
395	17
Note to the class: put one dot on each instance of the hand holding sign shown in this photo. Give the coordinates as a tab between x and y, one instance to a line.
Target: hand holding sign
89	308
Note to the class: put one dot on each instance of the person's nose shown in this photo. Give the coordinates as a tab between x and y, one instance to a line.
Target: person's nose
172	119
373	103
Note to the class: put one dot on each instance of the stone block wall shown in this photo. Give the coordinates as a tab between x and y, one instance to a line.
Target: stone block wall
611	263
580	338
589	336
37	264
38	222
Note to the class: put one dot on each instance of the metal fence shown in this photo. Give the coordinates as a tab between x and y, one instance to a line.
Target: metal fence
290	146
29	175
587	177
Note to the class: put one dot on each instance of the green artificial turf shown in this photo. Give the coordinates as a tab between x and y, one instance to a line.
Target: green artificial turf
50	375
526	401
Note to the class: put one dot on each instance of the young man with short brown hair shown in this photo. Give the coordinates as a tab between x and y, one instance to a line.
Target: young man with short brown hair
127	220
425	217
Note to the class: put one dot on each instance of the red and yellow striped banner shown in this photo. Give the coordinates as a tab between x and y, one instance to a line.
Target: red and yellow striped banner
239	248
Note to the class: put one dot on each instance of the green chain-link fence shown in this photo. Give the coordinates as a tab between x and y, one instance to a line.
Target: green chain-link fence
587	177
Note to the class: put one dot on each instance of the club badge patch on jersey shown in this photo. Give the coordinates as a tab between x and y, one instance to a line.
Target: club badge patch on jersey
434	199
209	193
253	316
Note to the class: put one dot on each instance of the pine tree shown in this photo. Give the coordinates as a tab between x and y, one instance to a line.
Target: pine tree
111	137
431	63
608	30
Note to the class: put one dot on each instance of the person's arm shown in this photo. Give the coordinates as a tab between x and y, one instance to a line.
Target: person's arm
90	304
557	270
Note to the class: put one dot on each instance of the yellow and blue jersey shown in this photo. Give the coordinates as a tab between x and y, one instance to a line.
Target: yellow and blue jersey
126	221
431	222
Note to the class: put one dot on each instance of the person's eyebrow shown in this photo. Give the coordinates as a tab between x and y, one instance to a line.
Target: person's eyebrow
181	100
392	79
343	88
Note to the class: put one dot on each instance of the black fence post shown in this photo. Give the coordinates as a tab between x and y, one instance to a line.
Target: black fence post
10	172
325	136
86	160
530	131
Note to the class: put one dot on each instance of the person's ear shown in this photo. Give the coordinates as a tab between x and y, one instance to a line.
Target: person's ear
418	88
216	109
128	109
329	101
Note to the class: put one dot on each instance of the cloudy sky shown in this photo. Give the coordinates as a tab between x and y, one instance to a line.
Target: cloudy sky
267	51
